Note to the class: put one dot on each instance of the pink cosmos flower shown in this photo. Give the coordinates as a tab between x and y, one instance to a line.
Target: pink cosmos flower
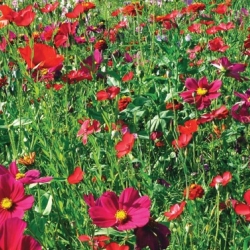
241	110
88	127
230	69
244	209
123	213
13	201
200	92
223	180
175	211
12	238
31	176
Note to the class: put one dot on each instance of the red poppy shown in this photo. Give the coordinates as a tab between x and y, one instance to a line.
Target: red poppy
108	94
182	141
175	211
221	8
192	8
217	44
49	7
223	180
244	209
127	77
76	176
41	56
195	28
194	191
25	16
125	145
189	127
79	9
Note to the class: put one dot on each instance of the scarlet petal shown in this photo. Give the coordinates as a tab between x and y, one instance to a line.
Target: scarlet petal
76	176
247	197
242	209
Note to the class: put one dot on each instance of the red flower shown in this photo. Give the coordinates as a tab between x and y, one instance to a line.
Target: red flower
175	211
49	7
96	242
88	127
194	191
76	176
220	113
221	8
189	127
124	102
41	56
223	180
182	141
175	105
200	92
244	209
79	9
127	77
115	246
126	212
217	44
125	145
195	28
192	8
101	45
109	93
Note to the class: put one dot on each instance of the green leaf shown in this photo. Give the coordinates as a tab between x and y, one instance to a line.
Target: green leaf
45	204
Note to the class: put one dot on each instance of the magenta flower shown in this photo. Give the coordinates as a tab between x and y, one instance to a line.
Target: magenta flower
13	201
12	238
230	69
200	92
126	212
31	176
241	110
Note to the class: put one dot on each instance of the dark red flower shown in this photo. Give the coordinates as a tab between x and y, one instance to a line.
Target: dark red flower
124	102
193	192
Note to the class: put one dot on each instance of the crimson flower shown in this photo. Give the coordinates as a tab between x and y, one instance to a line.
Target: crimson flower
230	69
244	209
220	113
241	110
41	56
200	92
88	127
13	201
76	176
175	211
217	44
153	234
31	176
194	191
189	127
12	238
79	9
126	212
109	93
221	9
125	145
182	141
115	246
223	180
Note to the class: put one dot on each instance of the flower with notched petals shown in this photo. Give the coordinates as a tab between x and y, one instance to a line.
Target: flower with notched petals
175	211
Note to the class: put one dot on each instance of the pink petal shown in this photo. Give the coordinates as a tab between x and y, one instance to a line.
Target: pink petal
101	217
247	197
128	196
214	86
242	209
191	84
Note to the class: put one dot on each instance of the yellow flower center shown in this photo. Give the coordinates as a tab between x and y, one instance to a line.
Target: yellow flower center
44	71
6	203
201	91
19	176
121	215
193	186
248	99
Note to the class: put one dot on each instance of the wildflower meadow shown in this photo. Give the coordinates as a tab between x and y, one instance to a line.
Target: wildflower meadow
125	125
